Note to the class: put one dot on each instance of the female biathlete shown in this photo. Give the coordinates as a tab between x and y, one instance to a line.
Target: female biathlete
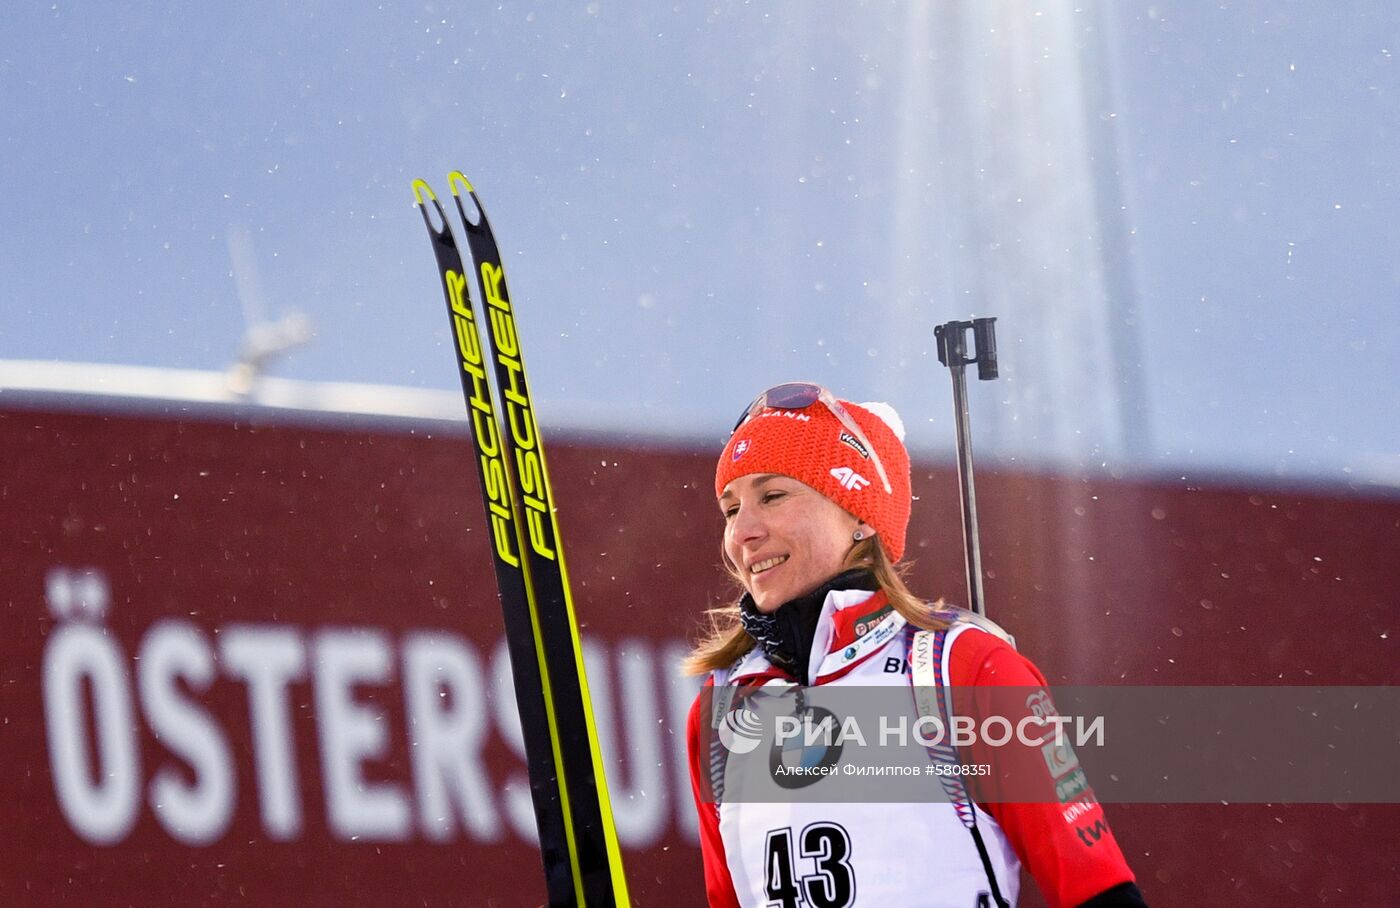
815	494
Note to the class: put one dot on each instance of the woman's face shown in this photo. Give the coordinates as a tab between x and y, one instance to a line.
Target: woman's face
785	537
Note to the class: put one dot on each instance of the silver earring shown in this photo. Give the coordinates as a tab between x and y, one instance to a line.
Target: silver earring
859	535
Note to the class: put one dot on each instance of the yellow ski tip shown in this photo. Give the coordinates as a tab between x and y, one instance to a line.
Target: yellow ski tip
420	187
457	176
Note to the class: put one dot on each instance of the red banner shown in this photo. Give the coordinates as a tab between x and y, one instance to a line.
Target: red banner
258	657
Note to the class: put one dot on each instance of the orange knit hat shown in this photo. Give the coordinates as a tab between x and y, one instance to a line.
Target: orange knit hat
812	446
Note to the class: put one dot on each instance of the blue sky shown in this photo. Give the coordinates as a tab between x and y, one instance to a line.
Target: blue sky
694	204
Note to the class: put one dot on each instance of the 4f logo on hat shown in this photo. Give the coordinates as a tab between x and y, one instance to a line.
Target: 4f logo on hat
849	478
741	448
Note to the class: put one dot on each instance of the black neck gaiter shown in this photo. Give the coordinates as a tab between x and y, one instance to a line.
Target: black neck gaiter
785	635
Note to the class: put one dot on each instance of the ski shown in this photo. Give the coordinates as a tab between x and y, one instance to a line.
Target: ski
578	842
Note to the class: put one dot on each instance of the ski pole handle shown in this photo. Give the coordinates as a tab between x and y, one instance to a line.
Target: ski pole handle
952	352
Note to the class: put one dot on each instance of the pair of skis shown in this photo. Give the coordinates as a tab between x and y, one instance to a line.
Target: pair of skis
578	842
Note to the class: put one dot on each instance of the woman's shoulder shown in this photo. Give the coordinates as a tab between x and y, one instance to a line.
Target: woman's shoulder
752	663
960	619
980	651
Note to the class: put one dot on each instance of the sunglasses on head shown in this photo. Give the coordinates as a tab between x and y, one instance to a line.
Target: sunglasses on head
799	395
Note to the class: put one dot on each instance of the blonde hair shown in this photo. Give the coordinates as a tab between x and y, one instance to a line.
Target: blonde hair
725	641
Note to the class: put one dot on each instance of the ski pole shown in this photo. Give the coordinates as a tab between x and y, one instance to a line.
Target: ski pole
952	352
